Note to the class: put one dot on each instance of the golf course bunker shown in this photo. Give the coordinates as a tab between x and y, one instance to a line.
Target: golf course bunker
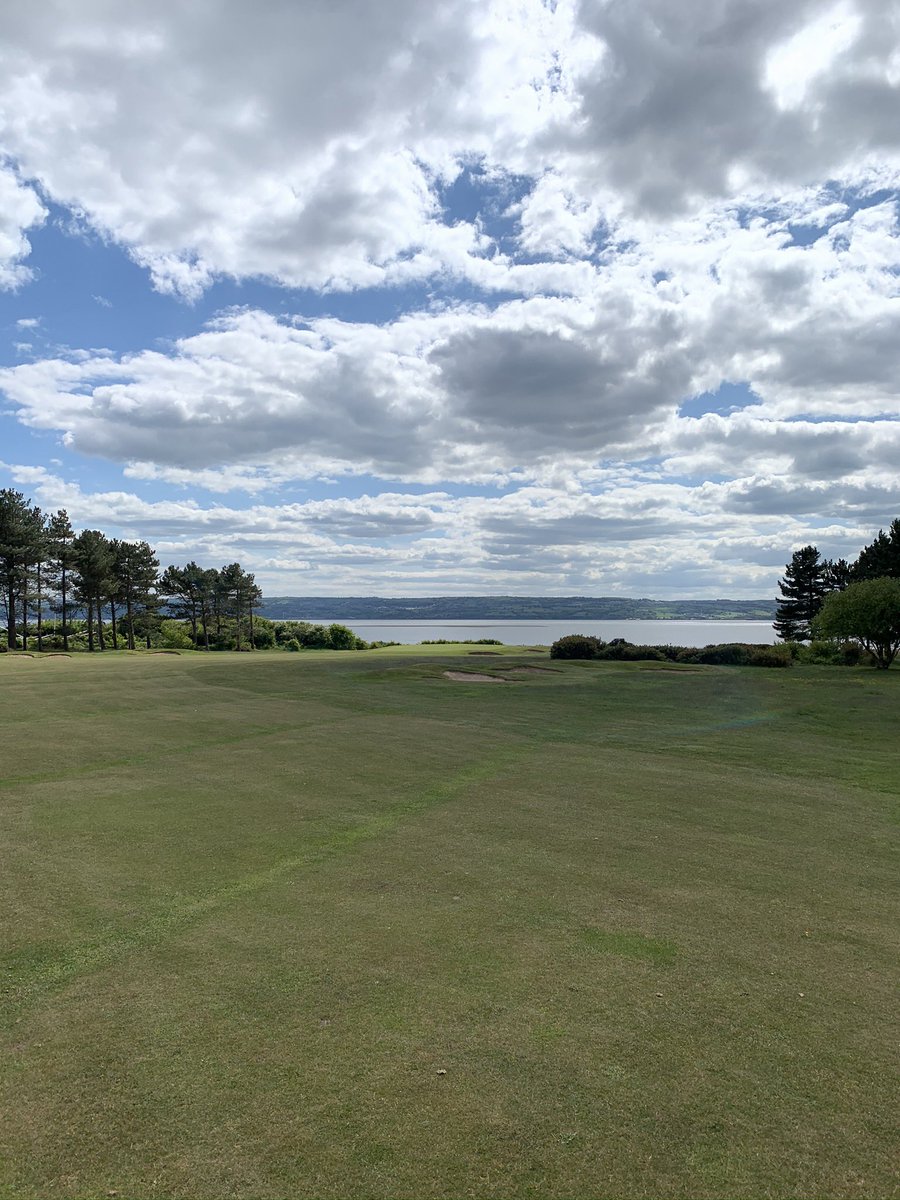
472	677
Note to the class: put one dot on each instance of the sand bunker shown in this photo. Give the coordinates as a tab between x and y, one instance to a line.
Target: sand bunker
472	677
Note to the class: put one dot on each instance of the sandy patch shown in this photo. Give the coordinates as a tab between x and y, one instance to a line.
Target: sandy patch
472	677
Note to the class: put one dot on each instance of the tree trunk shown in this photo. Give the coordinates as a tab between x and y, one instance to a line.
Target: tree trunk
130	619
112	624
40	615
65	613
11	639
90	621
204	618
100	639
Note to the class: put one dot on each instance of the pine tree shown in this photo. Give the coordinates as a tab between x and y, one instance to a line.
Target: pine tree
137	568
61	538
838	573
803	591
20	528
93	572
881	558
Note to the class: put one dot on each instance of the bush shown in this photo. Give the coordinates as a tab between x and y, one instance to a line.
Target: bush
729	654
174	636
314	637
454	642
770	656
622	651
576	645
292	644
342	638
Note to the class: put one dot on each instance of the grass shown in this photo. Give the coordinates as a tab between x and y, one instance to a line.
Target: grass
333	925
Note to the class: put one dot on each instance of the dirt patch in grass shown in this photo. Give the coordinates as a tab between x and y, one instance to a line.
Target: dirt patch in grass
473	677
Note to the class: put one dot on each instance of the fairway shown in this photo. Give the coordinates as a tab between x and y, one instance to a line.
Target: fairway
335	924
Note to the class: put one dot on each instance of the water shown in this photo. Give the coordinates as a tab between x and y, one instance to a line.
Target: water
542	633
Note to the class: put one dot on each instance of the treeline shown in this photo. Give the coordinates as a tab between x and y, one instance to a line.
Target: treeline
810	579
65	590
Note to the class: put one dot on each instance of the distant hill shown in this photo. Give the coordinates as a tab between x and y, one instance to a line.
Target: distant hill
511	608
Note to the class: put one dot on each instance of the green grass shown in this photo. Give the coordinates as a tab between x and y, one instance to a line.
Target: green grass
333	925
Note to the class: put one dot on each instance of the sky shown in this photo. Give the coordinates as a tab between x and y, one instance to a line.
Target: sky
457	297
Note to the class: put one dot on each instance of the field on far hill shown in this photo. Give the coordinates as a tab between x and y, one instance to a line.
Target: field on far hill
337	925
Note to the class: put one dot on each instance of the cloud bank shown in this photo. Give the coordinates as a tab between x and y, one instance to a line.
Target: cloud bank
629	277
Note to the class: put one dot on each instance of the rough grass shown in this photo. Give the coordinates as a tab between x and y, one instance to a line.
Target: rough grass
333	925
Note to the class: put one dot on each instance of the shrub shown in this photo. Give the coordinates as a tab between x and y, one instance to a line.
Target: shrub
576	645
454	642
342	638
673	653
729	654
174	636
622	651
292	644
314	637
770	656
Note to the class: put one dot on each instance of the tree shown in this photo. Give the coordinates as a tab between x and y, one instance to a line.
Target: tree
867	611
838	573
881	558
94	564
60	554
21	527
139	573
803	590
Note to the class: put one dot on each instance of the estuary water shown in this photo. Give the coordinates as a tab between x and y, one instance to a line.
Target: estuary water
542	633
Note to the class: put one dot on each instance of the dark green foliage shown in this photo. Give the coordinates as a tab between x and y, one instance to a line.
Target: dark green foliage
769	656
454	642
838	573
803	590
868	612
342	638
21	545
881	558
576	645
622	651
315	637
729	654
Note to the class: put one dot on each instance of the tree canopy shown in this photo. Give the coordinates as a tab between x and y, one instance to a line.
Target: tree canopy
104	589
869	612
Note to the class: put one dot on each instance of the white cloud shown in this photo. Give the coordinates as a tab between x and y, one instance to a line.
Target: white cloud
20	210
673	197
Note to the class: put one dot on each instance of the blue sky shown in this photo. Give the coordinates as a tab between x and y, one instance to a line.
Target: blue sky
517	296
